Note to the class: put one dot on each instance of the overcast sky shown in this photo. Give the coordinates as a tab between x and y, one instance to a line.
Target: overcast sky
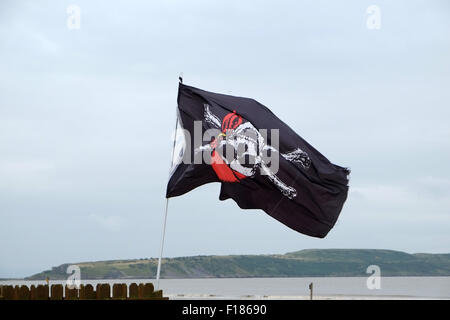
86	117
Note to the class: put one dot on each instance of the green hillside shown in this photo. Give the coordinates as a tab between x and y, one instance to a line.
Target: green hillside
304	263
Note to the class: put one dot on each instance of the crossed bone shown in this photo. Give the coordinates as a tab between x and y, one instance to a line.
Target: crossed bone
246	133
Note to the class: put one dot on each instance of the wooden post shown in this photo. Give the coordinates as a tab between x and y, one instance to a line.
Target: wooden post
33	292
8	292
56	292
41	292
311	291
119	291
70	294
157	294
87	292
146	291
103	291
90	292
141	291
16	292
24	293
134	291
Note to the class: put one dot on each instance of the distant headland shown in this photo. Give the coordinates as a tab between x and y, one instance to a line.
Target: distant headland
304	263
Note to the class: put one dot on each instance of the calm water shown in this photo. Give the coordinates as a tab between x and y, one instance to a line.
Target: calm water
256	288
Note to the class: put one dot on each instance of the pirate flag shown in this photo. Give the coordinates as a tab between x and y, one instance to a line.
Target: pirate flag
260	162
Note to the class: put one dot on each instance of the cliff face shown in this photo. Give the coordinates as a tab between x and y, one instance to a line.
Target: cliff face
304	263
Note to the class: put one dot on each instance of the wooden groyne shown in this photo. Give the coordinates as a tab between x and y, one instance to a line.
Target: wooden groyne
102	291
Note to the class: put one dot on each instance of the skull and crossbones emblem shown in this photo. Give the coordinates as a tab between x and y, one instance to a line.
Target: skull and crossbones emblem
236	133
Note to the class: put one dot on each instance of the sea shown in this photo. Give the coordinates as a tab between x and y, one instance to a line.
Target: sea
288	288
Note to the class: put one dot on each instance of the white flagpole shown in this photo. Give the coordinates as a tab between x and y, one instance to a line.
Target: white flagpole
162	245
167	205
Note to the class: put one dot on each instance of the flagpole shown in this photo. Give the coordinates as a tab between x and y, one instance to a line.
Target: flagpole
158	272
162	245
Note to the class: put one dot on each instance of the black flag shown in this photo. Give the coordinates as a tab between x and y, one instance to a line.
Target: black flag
260	162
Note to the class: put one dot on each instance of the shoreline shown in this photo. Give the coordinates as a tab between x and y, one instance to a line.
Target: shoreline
227	278
325	288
